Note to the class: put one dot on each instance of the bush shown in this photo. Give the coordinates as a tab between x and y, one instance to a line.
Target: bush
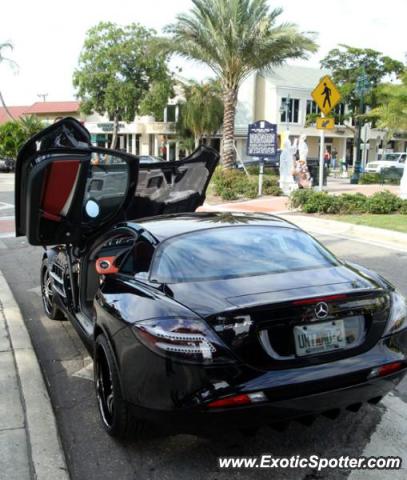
228	184
232	184
310	201
352	203
322	202
255	170
274	190
270	185
383	202
368	178
298	198
403	207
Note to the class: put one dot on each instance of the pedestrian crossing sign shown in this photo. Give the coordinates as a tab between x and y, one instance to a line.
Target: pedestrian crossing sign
325	123
326	95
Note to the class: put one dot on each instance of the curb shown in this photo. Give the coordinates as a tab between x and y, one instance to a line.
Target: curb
47	456
372	235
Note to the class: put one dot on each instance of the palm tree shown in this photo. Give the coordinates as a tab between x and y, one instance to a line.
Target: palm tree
202	112
31	125
235	38
11	62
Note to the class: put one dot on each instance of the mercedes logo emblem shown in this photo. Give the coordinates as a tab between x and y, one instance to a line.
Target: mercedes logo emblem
321	310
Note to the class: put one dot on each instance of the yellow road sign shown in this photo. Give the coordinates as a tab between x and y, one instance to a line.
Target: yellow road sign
326	95
325	123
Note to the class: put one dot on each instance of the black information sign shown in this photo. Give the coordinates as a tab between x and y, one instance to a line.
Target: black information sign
262	139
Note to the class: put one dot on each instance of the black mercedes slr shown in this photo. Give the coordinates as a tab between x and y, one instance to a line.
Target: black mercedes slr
198	321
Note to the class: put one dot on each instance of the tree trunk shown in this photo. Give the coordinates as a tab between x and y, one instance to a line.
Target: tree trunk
228	148
9	114
115	132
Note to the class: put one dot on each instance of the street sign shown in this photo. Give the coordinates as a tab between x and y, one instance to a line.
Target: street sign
262	139
326	123
326	95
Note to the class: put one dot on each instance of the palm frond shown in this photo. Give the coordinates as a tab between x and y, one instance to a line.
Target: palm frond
236	37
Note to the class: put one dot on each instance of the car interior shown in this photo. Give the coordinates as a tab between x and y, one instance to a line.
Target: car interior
129	254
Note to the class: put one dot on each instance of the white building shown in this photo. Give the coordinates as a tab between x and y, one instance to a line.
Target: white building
143	136
264	96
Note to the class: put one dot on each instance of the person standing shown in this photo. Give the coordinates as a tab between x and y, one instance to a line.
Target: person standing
333	159
327	158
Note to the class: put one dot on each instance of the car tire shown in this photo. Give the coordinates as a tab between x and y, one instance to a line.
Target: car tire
113	409
47	294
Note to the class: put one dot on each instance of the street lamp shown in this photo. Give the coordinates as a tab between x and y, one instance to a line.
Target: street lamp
362	87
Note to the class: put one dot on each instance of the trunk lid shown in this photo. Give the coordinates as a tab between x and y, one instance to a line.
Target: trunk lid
263	325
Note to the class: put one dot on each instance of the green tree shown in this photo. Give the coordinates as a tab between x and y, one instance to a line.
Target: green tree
202	112
345	63
15	133
116	71
391	113
235	38
157	97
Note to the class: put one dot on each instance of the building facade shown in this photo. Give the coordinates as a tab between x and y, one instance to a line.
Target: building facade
143	136
283	97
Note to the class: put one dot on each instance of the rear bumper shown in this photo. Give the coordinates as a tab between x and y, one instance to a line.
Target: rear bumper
188	420
176	394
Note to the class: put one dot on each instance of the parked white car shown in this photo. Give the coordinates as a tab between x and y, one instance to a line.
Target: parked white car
388	160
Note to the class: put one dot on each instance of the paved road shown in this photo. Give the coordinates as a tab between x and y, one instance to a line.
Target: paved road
91	454
6	205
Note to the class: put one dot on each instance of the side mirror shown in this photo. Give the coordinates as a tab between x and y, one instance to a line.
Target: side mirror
106	265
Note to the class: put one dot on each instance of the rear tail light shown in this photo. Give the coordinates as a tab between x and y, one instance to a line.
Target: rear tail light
184	339
386	369
237	400
398	314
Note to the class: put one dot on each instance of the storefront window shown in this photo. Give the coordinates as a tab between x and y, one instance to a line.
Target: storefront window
312	107
171	113
292	108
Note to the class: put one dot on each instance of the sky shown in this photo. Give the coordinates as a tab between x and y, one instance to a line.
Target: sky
47	35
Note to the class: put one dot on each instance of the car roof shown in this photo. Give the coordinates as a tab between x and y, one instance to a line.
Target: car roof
166	226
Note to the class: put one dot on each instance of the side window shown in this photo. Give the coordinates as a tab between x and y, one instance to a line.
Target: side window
138	261
403	158
106	186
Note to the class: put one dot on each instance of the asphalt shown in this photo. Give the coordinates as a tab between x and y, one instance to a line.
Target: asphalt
91	454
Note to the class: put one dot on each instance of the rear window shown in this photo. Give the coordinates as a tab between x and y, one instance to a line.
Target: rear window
240	251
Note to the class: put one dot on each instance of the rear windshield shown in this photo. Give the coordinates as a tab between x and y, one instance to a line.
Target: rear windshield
240	251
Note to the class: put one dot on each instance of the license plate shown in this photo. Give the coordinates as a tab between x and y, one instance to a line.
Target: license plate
319	338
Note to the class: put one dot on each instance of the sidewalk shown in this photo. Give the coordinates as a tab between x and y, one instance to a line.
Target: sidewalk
30	448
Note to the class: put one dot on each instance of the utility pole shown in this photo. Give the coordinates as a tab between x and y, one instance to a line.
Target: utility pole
43	96
362	87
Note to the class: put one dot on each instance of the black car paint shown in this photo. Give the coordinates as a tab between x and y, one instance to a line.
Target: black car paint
176	392
163	389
